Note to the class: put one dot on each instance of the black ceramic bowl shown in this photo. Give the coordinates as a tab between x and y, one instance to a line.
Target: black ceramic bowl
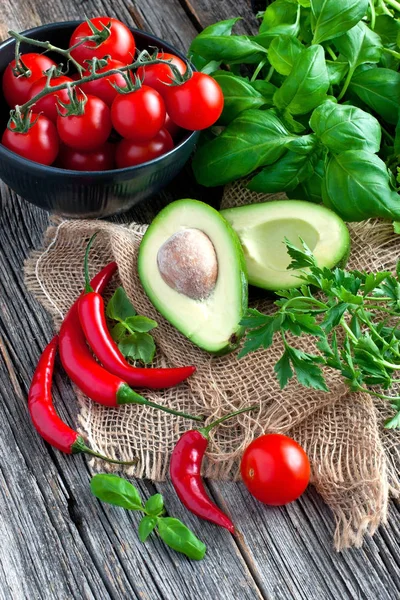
84	193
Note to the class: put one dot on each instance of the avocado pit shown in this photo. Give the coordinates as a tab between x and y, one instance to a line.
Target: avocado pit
188	263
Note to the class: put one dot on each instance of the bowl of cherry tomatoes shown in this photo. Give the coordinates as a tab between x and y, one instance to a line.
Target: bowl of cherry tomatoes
97	145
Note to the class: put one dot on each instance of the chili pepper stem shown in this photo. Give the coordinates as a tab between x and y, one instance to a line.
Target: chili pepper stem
80	446
126	395
88	287
206	430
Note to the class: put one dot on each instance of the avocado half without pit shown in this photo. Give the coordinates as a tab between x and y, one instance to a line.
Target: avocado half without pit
262	229
192	268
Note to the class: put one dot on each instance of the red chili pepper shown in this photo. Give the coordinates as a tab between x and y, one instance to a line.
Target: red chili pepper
185	471
45	419
83	369
93	322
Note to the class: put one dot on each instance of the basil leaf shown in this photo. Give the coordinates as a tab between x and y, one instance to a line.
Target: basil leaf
255	138
336	70
359	45
334	17
266	89
115	490
118	332
120	307
154	505
341	127
239	95
310	189
304	144
307	84
228	49
397	138
141	324
388	29
357	186
178	537
283	52
220	28
379	88
281	17
138	346
146	526
285	174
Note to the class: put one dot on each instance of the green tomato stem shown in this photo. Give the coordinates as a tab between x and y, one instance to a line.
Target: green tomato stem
94	76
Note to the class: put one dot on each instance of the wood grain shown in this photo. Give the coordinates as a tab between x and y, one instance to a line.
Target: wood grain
57	541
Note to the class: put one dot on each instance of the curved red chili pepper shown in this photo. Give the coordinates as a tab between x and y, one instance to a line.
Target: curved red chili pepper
83	369
185	472
93	322
45	419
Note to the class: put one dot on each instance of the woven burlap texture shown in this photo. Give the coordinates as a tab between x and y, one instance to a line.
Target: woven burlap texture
354	462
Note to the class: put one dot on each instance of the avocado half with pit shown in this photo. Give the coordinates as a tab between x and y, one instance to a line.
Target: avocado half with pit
192	268
262	229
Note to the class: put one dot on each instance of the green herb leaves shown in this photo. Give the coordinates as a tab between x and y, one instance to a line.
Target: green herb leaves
255	138
306	85
119	492
131	331
327	77
360	305
332	17
357	186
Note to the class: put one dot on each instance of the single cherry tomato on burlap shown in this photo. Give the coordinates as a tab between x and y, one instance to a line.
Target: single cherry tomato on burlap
139	114
16	85
101	159
113	38
131	153
103	88
157	76
85	122
275	469
196	103
48	104
39	143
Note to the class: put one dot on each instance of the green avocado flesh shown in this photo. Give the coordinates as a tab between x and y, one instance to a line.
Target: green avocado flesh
185	239
262	229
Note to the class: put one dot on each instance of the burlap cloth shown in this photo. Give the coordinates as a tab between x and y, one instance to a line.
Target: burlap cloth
354	461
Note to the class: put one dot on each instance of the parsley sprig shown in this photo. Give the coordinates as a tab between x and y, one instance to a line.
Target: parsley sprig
354	316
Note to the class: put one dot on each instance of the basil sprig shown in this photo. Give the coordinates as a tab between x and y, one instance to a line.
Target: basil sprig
315	113
120	492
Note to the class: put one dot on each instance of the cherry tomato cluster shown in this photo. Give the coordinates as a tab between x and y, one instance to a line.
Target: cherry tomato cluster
120	120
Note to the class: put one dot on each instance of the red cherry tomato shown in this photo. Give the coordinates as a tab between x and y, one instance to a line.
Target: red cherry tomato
171	127
138	115
131	153
16	89
48	104
156	76
102	88
101	159
120	44
39	143
195	104
88	131
275	469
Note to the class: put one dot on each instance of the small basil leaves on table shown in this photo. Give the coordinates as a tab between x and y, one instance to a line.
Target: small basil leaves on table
317	88
120	492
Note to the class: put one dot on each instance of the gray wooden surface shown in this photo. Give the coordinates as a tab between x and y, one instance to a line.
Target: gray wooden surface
56	541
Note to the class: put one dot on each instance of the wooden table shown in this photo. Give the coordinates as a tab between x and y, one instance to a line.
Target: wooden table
58	542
